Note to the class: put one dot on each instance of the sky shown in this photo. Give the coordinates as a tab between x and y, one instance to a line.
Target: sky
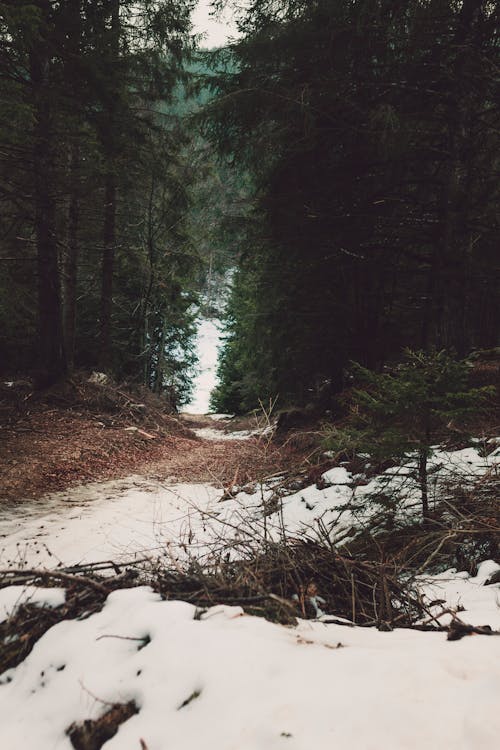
217	32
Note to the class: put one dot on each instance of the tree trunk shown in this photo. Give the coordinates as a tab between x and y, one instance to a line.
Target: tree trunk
147	346
110	197
452	257
71	258
423	481
423	455
52	360
108	264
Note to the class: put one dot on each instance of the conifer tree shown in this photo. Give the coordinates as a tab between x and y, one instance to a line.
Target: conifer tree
407	410
89	86
369	128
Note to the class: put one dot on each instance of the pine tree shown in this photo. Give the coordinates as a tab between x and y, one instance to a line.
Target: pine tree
369	131
408	409
82	140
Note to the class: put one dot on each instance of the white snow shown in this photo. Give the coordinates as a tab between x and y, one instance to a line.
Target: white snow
209	433
118	520
207	345
337	475
481	604
346	504
132	518
250	684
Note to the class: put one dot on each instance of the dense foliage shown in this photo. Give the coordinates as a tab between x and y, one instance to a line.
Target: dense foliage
97	267
423	400
352	203
369	128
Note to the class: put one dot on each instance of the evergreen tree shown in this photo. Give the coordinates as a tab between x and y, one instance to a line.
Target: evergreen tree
92	172
369	129
408	409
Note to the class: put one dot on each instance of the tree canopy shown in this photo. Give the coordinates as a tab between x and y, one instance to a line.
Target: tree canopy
369	128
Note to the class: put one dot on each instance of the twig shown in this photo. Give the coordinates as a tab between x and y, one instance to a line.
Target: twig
436	552
122	637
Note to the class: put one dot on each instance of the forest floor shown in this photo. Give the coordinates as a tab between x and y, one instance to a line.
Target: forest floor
146	543
52	448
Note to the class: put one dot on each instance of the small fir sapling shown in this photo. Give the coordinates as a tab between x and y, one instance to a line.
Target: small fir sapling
407	409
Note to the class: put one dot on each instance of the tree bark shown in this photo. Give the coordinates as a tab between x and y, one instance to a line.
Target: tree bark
422	479
71	258
51	359
451	260
110	198
108	265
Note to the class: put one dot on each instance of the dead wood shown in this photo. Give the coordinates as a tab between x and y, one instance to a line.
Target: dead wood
93	733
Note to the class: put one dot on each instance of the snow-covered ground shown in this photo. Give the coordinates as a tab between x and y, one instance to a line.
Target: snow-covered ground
117	520
351	502
227	681
223	680
210	433
207	346
136	517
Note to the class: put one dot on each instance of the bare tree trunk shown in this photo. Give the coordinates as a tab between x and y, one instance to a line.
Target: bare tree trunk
52	361
423	455
159	373
110	199
108	265
147	346
71	258
71	254
423	481
452	256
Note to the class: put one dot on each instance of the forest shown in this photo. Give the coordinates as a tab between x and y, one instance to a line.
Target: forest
338	159
371	132
249	374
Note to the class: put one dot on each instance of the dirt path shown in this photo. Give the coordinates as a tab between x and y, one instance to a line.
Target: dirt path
54	449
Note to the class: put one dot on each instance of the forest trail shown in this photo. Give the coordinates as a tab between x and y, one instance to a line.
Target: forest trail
76	490
51	450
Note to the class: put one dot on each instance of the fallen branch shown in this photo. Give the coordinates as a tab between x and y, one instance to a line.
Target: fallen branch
28	575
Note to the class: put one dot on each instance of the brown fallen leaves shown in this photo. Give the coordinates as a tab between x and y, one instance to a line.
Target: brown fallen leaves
52	448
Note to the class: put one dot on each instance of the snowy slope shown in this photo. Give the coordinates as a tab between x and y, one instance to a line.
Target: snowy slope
207	345
250	684
223	680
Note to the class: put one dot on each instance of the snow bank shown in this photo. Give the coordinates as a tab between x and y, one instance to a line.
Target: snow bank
221	680
351	502
227	681
479	603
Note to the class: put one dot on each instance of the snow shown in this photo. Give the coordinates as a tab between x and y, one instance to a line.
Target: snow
223	680
250	684
337	475
481	603
13	597
207	344
119	520
351	503
209	433
128	519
